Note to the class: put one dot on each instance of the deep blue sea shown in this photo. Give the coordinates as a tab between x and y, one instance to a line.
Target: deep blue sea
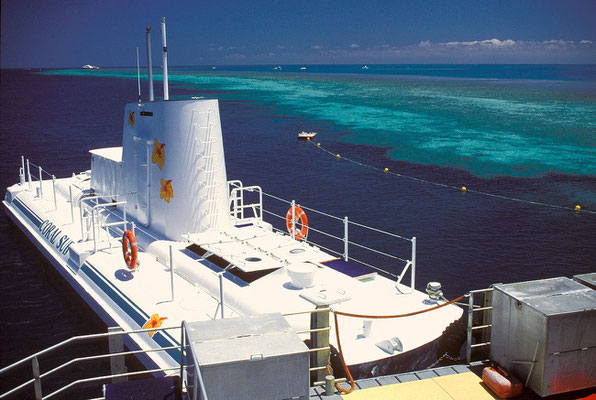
526	132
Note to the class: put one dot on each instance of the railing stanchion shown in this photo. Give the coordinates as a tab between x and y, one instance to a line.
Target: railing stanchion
470	322
29	173
345	238
71	205
40	183
54	190
37	378
22	171
293	219
221	292
413	263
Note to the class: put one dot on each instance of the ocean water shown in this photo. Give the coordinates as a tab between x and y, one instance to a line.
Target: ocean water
524	132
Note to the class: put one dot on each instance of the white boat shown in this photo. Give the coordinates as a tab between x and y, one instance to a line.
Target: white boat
89	66
365	67
302	68
156	232
306	135
278	68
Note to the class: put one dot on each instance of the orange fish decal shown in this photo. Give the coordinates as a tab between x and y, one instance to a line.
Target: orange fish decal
131	118
158	154
154	322
166	192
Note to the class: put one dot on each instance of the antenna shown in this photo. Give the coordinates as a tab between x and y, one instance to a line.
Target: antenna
166	95
149	65
138	75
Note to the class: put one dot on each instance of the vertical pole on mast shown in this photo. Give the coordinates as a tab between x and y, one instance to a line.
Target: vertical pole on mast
166	92
149	64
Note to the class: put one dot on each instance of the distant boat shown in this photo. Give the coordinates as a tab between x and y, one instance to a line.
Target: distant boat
302	67
278	67
89	66
306	135
365	67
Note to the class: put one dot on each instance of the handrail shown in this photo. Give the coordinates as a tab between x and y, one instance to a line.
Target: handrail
411	263
198	383
37	378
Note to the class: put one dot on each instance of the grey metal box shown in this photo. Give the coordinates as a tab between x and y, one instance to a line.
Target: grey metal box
551	322
254	357
588	280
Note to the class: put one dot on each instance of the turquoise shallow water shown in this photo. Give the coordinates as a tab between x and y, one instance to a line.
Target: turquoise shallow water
488	127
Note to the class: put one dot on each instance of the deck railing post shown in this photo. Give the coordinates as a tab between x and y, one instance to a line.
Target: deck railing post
54	190
413	263
22	171
71	205
37	378
345	238
470	322
29	173
40	183
293	219
221	293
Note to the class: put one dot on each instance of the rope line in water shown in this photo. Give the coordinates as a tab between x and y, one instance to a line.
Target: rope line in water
577	208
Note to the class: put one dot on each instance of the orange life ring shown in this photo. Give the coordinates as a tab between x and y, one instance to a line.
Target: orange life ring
130	255
299	215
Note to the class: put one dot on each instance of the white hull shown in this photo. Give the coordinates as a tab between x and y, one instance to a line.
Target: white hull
223	254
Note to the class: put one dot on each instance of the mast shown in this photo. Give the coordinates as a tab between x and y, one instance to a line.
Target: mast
166	92
149	65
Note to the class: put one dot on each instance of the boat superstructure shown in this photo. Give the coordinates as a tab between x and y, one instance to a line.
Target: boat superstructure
205	249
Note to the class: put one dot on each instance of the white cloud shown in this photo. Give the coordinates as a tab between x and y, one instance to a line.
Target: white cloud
354	45
589	42
486	43
317	47
425	43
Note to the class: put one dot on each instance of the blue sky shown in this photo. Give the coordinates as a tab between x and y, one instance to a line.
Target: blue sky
71	33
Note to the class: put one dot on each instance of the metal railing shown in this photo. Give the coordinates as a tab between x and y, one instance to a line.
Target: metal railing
188	367
238	205
485	320
37	377
26	177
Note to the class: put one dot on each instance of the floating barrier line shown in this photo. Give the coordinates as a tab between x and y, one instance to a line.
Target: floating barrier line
464	189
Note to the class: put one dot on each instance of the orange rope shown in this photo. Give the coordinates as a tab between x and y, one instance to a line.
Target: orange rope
341	354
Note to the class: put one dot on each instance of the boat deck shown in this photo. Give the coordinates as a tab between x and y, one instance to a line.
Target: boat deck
455	382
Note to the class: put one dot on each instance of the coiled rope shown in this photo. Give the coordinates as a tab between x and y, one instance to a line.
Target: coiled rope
498	196
341	354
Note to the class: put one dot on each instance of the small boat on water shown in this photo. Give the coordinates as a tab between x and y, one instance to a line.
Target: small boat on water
154	231
89	66
306	135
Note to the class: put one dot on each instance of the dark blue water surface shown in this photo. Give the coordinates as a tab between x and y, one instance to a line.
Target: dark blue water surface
465	241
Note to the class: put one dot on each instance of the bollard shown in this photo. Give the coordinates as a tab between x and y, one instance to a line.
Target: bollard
329	385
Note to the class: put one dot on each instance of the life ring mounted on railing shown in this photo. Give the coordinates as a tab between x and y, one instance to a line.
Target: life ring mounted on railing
299	216
130	254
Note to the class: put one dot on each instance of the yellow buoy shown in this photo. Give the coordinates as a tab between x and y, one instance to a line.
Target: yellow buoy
463	189
337	155
319	144
308	139
578	207
386	169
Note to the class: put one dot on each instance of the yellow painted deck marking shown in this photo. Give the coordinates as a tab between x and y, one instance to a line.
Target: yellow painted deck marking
466	386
